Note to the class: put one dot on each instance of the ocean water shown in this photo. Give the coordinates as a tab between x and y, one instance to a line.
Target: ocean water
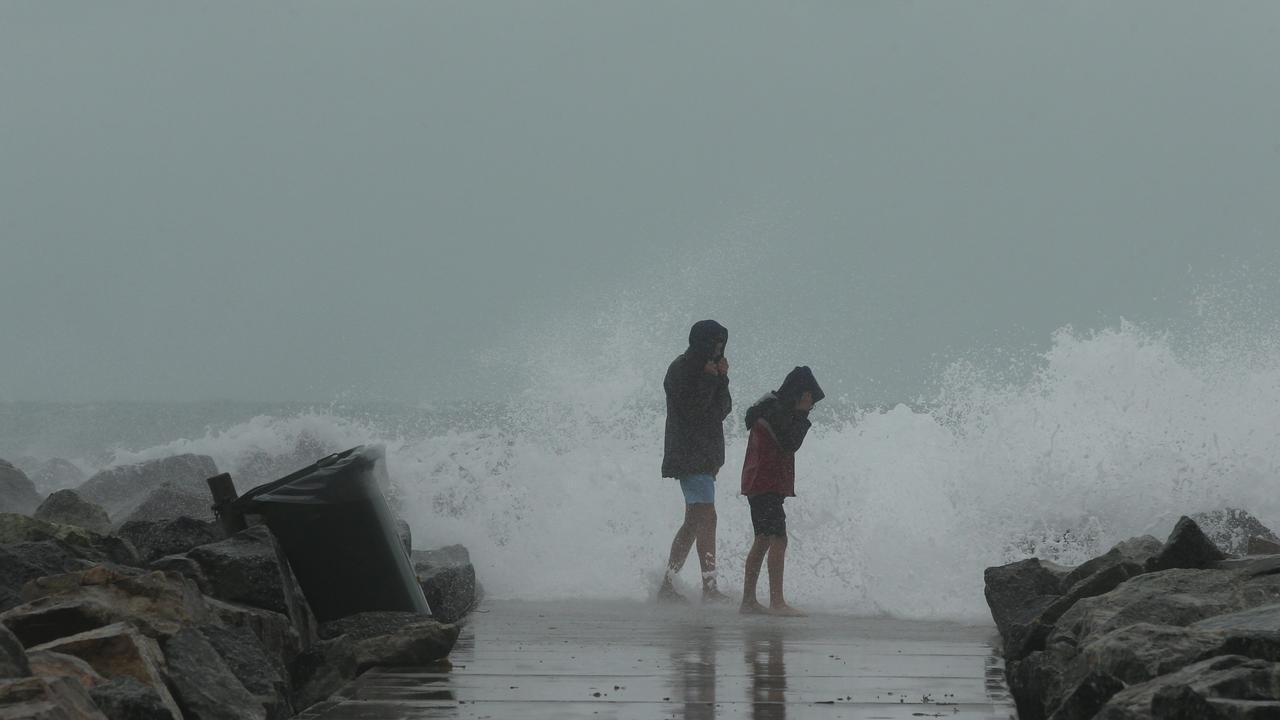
557	493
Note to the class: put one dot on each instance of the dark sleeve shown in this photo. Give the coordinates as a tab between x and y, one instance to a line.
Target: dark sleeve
790	428
723	401
698	395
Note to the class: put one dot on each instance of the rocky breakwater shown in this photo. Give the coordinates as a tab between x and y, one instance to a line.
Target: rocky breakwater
1173	630
167	618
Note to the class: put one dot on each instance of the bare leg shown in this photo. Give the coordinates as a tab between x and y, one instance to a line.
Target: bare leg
706	537
777	563
755	559
680	547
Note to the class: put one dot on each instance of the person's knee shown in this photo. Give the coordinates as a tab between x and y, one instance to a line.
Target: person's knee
778	542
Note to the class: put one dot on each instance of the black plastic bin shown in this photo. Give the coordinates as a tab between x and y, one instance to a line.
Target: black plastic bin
339	535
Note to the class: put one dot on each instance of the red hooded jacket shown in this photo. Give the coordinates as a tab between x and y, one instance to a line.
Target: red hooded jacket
776	433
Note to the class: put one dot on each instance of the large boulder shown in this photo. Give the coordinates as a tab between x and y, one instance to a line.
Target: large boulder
1172	597
448	581
119	651
275	631
157	604
55	474
1231	529
393	639
68	508
155	539
1187	547
23	562
46	699
354	644
250	568
48	664
85	543
1010	589
1141	630
265	677
13	659
1228	686
206	688
122	488
124	698
1134	551
17	492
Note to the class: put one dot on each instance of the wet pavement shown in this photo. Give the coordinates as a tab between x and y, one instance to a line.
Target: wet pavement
595	660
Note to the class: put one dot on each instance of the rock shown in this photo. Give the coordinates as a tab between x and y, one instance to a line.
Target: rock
49	664
1134	550
274	630
359	642
262	675
1228	677
122	488
250	568
155	539
46	699
1187	547
1088	697
168	502
23	562
1262	546
1231	529
17	492
13	659
448	581
1028	630
1011	588
322	670
1172	597
119	651
85	543
1264	618
405	534
183	566
58	606
55	474
206	688
67	508
393	639
124	698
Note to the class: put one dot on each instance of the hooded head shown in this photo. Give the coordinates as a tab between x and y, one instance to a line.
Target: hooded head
798	382
704	336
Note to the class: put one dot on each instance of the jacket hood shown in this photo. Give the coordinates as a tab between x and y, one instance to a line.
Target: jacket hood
703	337
797	383
762	406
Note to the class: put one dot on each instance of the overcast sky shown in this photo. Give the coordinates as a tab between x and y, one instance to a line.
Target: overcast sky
304	200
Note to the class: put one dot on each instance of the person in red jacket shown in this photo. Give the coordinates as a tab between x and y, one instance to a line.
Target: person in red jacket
778	423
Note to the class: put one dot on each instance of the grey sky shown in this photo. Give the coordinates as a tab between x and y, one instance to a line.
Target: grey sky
303	200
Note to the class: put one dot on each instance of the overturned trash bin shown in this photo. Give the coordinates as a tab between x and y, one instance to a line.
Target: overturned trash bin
339	535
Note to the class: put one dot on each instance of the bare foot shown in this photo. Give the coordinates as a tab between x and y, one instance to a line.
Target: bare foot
785	610
715	596
752	607
668	594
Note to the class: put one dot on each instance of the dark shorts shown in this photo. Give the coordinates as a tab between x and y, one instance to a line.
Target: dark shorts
767	515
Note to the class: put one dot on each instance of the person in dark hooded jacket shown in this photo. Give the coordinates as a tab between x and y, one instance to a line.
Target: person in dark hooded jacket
698	401
777	423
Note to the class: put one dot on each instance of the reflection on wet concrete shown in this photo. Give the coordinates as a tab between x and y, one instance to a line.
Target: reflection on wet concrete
693	664
634	661
765	656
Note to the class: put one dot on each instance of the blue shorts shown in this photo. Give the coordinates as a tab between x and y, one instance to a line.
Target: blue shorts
699	489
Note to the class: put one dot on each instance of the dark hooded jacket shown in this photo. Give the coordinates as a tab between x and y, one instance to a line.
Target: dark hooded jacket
697	404
777	430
